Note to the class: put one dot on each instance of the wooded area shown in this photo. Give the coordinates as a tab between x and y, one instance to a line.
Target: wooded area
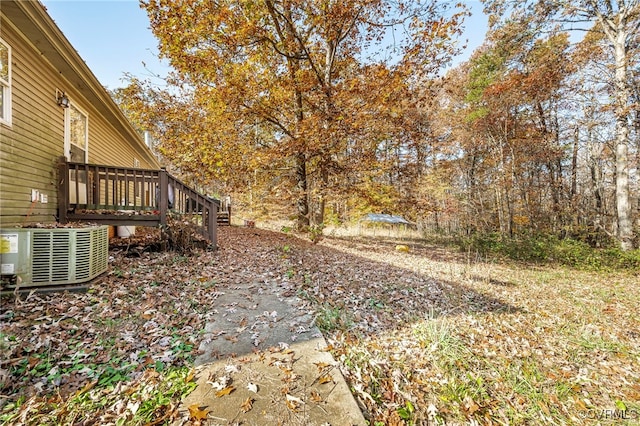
323	111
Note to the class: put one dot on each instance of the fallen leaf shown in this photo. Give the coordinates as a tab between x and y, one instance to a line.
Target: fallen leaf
219	384
87	387
293	403
292	406
232	339
322	365
225	391
196	413
33	361
247	405
580	404
231	369
325	379
294	399
470	405
252	387
315	396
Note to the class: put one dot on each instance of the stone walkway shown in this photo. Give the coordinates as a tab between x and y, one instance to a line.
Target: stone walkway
263	362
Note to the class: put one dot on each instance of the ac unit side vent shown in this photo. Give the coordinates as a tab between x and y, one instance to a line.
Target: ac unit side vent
69	256
99	261
83	256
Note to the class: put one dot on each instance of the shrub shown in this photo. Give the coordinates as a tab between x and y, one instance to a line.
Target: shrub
545	248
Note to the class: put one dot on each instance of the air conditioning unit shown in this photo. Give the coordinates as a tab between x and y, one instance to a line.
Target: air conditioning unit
35	257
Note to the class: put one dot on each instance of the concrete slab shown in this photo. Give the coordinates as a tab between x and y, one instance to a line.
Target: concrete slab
252	317
263	362
295	385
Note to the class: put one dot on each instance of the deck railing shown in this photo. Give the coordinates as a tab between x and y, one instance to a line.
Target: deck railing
130	197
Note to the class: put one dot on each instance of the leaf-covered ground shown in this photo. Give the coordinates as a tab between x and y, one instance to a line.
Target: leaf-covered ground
424	337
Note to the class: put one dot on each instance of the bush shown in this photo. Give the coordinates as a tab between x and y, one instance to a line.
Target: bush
543	248
181	235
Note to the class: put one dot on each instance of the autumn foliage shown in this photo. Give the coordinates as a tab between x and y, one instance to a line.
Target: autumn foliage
306	105
319	112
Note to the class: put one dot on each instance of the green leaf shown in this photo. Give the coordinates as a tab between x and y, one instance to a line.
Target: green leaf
621	406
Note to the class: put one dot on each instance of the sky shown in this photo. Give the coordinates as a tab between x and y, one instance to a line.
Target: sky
113	37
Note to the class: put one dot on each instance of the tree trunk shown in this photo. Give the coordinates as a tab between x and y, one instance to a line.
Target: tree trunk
574	167
617	33
302	204
573	208
302	201
623	203
320	201
596	176
325	157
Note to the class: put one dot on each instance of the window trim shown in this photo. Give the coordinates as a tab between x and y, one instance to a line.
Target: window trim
5	86
67	132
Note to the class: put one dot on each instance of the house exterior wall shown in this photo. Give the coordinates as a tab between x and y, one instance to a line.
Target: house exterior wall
34	141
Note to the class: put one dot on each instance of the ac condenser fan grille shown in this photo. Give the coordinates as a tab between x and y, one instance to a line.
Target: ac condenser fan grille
67	256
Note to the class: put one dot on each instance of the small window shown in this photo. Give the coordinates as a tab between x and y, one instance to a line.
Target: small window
5	83
76	134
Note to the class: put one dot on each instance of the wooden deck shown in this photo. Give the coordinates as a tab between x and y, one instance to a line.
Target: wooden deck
121	196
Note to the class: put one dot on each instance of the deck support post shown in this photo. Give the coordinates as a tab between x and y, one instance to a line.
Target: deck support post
164	195
63	189
213	223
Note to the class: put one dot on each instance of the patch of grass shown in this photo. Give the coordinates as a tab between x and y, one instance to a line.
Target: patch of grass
375	303
5	339
594	342
464	391
331	318
533	395
406	412
359	358
180	259
113	374
305	295
182	349
436	336
148	400
315	232
286	229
